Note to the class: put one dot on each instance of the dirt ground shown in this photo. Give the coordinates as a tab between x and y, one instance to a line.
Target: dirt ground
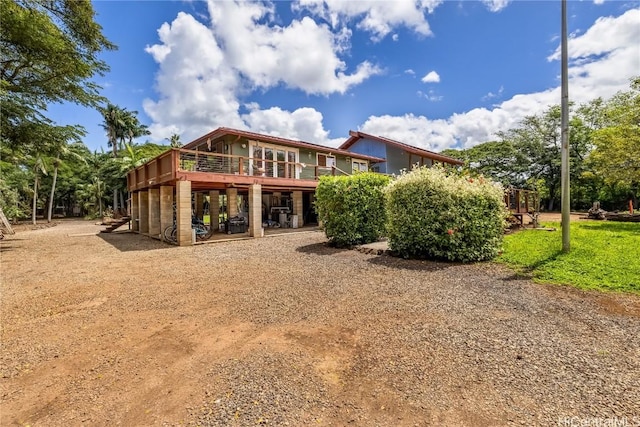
120	329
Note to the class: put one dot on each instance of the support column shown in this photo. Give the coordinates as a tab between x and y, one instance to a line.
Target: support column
255	210
200	205
143	210
154	212
232	202
166	207
214	209
135	212
183	213
297	207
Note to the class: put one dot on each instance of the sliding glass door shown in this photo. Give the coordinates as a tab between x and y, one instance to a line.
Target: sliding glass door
273	161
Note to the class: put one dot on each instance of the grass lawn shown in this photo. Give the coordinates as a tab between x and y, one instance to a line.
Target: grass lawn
604	255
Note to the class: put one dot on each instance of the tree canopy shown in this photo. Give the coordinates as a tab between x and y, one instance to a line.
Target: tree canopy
49	53
604	141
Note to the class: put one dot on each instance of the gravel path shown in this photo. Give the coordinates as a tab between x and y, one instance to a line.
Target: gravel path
123	330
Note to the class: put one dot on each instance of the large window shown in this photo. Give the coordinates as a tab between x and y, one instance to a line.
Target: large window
273	160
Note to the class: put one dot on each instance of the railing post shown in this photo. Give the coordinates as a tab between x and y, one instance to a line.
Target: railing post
241	165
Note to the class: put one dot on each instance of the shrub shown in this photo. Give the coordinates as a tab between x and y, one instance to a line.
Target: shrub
351	208
435	214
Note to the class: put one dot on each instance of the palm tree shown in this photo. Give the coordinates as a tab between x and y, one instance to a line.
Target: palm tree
114	125
174	141
64	151
39	167
121	125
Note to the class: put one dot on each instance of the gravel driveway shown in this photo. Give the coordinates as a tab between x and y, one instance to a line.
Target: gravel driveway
119	329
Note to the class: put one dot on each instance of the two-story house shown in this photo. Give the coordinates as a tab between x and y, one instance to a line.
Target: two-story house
261	179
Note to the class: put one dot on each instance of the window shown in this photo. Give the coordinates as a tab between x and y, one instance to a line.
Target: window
273	161
325	160
359	166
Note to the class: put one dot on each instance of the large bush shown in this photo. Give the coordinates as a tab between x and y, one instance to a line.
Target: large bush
351	208
436	214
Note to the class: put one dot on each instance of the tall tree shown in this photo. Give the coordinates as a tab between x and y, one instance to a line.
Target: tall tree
617	144
498	160
121	126
49	52
64	151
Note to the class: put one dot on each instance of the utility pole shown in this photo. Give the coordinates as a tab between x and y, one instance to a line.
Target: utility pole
564	177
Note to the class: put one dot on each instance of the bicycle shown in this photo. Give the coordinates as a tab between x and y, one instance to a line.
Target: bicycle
202	231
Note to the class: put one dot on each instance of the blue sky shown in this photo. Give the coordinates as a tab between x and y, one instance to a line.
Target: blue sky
435	74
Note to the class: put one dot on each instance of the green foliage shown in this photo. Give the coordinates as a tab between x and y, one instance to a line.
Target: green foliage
50	52
617	145
435	214
351	208
602	255
604	139
500	160
122	126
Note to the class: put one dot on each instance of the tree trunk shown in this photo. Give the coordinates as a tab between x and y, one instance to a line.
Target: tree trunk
115	201
122	208
100	204
35	200
53	189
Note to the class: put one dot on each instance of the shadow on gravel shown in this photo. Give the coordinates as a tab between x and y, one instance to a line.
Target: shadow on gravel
129	242
411	264
320	249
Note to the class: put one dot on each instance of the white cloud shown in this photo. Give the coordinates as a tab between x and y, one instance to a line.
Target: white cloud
608	54
304	124
431	77
395	37
492	95
303	55
598	1
410	72
429	96
196	85
204	71
377	17
496	5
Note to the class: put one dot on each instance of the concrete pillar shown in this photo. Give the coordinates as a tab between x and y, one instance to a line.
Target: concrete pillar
232	202
214	209
166	207
135	212
154	212
297	207
183	213
200	205
143	210
255	210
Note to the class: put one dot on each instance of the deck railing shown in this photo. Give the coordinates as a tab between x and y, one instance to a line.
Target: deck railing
199	161
166	166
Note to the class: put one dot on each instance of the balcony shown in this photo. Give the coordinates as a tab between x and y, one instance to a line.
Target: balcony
208	170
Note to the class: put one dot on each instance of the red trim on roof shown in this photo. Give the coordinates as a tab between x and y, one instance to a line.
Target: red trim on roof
222	131
355	136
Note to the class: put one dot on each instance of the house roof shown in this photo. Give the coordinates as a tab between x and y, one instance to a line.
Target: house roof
223	131
356	136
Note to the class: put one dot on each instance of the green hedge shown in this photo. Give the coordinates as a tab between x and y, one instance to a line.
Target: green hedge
435	214
351	208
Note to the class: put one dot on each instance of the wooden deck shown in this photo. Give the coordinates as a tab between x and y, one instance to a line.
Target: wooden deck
215	171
